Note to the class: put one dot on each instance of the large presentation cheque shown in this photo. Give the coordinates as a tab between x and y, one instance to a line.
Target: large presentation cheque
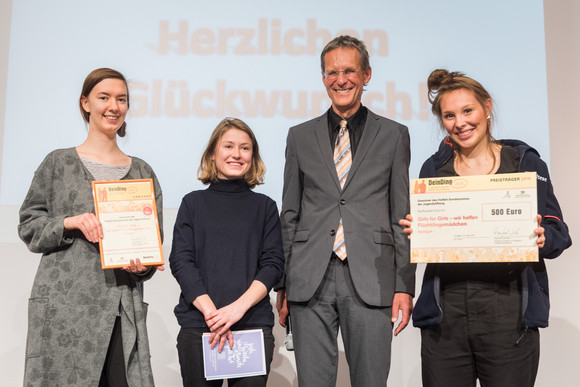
128	215
488	218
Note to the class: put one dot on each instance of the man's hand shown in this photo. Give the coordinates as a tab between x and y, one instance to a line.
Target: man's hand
282	307
402	302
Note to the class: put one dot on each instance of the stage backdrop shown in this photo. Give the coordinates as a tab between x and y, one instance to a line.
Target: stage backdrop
192	63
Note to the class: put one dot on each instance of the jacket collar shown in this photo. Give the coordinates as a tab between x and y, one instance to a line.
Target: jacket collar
445	150
368	136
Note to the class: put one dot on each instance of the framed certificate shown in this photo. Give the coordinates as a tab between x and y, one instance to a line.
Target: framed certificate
247	358
128	215
488	218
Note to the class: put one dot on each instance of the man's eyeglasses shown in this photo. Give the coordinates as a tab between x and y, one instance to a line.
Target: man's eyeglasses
348	73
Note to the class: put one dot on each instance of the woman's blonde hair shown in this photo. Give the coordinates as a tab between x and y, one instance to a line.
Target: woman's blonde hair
208	172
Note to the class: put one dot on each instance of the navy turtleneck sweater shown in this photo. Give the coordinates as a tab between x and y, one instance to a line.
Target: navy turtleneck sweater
224	238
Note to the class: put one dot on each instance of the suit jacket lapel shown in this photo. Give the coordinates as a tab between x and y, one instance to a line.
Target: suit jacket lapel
321	131
370	132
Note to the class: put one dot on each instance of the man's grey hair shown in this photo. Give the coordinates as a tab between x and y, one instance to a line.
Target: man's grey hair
346	41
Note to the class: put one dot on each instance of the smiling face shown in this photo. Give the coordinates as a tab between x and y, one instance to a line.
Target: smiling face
233	154
107	105
345	88
465	119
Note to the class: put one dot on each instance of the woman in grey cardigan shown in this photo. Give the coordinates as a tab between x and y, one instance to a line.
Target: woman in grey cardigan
86	326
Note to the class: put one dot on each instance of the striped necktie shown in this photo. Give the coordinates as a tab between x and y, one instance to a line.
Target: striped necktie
342	162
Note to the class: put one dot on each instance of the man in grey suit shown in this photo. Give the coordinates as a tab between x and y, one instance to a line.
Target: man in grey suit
347	259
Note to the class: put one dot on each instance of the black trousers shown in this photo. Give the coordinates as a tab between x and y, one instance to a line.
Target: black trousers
480	337
114	373
189	349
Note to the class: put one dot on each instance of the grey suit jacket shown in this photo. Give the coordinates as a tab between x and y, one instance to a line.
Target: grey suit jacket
374	198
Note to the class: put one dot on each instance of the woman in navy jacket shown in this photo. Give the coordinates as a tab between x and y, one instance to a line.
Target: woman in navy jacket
481	320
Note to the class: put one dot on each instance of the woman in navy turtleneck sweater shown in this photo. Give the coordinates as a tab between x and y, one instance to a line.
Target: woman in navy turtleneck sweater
227	253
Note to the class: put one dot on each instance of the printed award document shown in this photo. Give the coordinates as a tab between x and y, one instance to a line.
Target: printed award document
247	358
128	215
487	218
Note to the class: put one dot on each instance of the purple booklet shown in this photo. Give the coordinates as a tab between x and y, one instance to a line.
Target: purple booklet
245	359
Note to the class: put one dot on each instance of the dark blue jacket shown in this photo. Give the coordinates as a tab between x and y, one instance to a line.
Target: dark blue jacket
534	278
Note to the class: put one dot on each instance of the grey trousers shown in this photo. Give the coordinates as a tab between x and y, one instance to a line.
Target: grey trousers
366	333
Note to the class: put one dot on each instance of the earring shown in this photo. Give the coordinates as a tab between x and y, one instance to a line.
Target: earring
488	117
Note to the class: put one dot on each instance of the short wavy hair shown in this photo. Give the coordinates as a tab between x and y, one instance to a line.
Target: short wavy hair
208	172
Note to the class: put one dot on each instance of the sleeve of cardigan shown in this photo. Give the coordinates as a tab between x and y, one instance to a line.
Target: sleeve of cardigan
39	228
182	260
271	261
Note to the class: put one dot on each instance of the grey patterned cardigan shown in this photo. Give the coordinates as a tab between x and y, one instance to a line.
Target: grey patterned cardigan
74	303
